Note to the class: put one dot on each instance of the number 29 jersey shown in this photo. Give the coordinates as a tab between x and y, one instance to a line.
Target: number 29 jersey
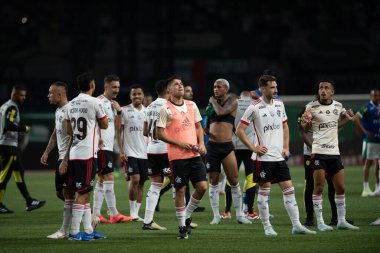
83	113
155	145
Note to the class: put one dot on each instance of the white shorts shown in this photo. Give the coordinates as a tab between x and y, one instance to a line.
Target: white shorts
371	151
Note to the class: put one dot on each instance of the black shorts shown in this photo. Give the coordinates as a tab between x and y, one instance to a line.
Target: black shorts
61	181
216	152
136	166
273	172
244	155
332	164
192	169
105	162
82	174
159	165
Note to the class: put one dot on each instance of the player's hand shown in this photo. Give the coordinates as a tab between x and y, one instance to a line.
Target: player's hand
115	105
27	129
101	143
202	149
185	145
307	117
63	168
285	153
123	157
348	113
44	158
213	99
260	150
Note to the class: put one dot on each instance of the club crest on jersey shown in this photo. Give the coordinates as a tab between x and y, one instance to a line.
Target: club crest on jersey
178	180
271	113
278	113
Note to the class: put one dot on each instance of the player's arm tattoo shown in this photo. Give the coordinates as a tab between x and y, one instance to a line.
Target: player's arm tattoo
229	107
52	142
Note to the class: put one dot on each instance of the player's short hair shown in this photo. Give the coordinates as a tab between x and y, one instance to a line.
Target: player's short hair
223	81
327	81
170	79
84	80
61	84
161	87
264	79
19	87
136	86
110	78
269	72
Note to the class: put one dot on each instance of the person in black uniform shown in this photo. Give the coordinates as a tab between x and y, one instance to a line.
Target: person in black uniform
10	152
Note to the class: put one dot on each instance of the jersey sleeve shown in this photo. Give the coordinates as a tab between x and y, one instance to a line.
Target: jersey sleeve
363	112
162	120
284	116
249	115
197	114
10	116
99	109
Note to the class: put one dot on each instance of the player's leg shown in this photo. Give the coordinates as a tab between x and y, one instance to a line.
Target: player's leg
228	201
308	191
179	171
340	200
250	186
6	168
230	166
213	169
143	172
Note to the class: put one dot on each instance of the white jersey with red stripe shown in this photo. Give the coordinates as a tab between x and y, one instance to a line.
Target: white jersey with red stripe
83	112
61	131
134	141
268	120
108	135
155	146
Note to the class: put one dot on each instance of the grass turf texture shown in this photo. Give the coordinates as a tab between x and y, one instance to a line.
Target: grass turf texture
26	231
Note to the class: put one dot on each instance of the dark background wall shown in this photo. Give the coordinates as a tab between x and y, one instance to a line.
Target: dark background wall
201	40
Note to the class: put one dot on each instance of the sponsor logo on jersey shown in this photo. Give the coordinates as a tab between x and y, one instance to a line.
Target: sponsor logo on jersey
135	129
327	112
272	127
335	111
265	115
331	124
315	106
261	107
327	146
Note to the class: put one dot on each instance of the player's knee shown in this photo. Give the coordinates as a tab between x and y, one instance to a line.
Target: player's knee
318	189
201	187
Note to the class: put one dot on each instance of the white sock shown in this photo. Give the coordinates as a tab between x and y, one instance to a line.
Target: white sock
291	206
109	194
173	192
193	204
376	186
263	206
180	213
340	201
76	220
132	208
236	199
317	203
365	185
98	197
213	194
151	201
87	219
67	215
138	205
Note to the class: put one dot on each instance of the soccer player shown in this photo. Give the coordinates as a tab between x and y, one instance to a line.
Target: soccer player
133	145
309	179
60	139
157	156
367	118
10	159
272	137
104	188
179	125
221	150
243	155
83	117
322	116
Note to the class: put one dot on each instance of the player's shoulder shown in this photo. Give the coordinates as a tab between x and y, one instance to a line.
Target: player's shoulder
336	103
257	102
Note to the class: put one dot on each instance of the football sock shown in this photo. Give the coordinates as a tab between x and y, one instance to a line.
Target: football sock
263	205
78	211
87	219
214	199
237	199
151	201
317	203
193	204
291	206
109	194
340	201
98	197
180	213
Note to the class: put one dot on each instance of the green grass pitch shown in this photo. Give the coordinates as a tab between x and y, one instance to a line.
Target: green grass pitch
26	231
